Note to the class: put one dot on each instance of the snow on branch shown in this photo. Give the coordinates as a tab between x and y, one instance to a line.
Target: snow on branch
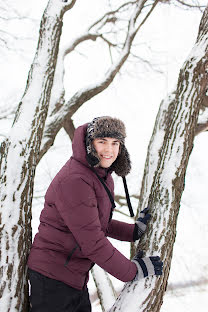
105	289
66	109
163	181
195	4
7	112
19	153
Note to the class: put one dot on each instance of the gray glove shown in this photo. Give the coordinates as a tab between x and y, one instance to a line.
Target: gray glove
147	266
141	223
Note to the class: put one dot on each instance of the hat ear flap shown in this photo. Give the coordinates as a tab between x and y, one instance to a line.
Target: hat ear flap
92	156
122	164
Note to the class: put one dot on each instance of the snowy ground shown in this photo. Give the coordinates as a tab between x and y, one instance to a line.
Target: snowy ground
141	92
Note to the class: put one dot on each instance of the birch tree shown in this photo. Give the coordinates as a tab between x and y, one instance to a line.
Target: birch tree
19	153
164	174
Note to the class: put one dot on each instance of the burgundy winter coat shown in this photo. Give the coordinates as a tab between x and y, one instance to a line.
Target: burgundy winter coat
75	222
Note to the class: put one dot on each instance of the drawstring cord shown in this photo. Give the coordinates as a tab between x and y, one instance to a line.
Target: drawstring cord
110	195
128	197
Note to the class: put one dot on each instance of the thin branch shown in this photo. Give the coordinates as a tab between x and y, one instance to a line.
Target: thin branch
119	199
77	41
121	212
55	122
8	113
3	135
20	18
14	36
201	127
105	16
191	6
145	62
148	14
110	44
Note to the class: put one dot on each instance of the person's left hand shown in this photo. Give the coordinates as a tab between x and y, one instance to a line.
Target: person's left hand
141	222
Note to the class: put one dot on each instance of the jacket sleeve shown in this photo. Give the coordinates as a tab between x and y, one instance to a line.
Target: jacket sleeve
77	205
121	231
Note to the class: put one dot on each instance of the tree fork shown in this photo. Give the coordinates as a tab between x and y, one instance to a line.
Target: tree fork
163	181
23	146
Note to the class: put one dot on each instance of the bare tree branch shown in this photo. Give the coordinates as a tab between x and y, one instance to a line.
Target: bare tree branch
109	16
162	187
23	145
202	124
67	110
201	128
121	200
105	289
191	6
7	112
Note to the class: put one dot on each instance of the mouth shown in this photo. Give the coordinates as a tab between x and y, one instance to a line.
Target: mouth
106	156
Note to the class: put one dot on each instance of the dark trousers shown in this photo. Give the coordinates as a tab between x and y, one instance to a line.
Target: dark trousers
49	295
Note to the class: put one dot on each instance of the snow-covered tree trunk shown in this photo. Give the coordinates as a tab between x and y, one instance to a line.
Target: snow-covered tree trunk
164	174
105	290
19	154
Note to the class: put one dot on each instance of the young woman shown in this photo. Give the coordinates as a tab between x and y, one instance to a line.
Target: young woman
76	220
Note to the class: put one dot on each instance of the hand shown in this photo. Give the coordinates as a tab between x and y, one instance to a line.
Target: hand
141	223
147	266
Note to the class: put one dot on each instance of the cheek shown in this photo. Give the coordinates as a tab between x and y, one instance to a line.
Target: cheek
117	151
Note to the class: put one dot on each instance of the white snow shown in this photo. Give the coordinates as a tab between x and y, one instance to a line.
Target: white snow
135	99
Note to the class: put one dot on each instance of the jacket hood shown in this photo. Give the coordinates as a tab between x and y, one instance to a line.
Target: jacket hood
78	145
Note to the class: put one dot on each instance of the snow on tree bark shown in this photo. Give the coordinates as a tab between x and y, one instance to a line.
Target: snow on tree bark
64	110
105	289
19	154
163	182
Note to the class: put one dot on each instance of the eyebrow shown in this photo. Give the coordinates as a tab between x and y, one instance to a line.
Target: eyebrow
107	140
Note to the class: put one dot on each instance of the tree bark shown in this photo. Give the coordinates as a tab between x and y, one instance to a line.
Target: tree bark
105	290
66	109
19	154
164	174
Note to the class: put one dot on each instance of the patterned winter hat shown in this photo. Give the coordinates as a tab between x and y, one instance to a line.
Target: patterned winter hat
107	126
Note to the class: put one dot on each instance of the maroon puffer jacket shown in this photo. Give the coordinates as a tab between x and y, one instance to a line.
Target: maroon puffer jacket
76	214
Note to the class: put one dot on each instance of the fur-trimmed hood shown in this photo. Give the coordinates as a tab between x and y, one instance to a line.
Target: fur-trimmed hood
102	127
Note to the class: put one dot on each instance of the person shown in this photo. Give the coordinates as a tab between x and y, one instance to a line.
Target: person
77	219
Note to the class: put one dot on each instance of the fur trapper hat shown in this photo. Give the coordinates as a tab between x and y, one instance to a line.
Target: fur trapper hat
107	126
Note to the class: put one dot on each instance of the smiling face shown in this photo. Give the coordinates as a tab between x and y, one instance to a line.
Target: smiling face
107	150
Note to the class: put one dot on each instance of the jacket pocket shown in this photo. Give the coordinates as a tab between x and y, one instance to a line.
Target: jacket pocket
70	255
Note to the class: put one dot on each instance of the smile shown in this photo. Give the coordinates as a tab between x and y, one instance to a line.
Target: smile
106	157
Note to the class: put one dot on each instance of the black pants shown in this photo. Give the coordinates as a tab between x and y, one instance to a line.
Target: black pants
49	295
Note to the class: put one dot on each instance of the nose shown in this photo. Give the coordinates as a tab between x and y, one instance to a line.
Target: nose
108	148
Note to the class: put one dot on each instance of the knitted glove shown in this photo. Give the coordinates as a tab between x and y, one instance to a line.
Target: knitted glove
147	266
141	223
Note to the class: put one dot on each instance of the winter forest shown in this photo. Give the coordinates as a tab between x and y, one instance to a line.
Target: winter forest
64	62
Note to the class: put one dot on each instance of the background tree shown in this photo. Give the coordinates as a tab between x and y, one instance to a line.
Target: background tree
132	16
164	174
23	144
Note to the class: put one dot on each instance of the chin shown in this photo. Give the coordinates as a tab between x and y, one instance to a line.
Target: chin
105	165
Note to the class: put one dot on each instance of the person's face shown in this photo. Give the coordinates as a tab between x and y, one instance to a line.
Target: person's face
107	150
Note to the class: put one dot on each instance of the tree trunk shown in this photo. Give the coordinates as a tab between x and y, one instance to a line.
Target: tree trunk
19	154
105	290
64	110
164	174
